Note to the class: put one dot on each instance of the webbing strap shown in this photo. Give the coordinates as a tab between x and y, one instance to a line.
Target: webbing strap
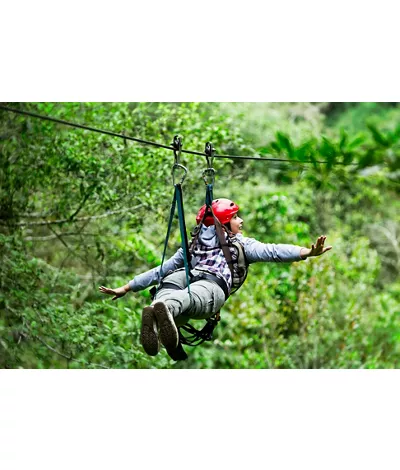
209	198
218	228
171	218
197	337
209	195
182	227
178	200
222	240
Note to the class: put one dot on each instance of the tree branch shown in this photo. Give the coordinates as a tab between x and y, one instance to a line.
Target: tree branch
89	193
65	234
69	358
78	219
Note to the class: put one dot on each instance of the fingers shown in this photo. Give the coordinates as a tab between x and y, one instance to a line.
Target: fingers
318	248
106	290
321	241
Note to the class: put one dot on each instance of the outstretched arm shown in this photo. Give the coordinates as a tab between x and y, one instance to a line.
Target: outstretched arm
149	278
316	249
280	253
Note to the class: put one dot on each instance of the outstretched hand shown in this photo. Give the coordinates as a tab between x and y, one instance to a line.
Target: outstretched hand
117	293
318	248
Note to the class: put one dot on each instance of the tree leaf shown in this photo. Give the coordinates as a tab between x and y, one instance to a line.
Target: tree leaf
378	136
284	143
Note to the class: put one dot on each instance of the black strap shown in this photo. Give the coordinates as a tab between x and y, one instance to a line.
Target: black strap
222	240
211	277
197	337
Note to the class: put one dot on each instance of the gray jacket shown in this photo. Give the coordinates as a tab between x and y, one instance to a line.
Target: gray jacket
255	252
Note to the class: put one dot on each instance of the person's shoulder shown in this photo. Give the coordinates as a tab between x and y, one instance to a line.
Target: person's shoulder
244	239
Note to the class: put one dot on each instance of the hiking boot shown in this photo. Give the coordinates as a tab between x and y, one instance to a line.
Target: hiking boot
166	324
149	332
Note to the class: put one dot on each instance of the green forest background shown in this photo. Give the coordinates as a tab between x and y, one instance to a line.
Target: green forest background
79	209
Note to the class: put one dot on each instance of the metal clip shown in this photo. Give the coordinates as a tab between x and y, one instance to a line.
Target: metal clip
209	151
209	176
209	173
180	167
177	144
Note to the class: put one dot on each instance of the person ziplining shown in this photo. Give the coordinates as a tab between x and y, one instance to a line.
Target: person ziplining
198	279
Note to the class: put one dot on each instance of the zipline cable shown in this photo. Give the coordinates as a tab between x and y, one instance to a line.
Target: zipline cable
156	144
81	126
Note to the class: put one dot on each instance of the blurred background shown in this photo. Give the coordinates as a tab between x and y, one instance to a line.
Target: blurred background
80	209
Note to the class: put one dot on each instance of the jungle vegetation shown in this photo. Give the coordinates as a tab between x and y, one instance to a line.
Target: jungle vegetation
80	209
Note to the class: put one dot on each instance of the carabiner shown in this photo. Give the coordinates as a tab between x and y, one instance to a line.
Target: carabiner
175	167
209	173
177	147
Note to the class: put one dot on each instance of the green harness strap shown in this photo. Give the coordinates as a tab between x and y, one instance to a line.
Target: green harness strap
171	218
184	239
177	200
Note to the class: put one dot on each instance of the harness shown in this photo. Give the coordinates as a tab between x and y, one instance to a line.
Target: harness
240	265
235	257
239	269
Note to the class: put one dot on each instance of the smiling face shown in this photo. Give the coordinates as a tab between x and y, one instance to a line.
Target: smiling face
236	224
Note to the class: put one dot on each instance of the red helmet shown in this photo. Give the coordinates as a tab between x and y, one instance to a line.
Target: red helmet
224	210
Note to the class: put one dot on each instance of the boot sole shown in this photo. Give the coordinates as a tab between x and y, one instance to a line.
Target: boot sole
168	331
148	333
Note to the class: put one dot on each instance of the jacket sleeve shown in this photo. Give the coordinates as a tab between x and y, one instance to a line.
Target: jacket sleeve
154	276
278	253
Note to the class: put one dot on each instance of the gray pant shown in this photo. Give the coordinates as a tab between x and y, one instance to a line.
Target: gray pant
206	297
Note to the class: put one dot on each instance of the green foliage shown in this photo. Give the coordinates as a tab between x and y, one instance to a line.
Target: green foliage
307	317
354	117
259	122
81	209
